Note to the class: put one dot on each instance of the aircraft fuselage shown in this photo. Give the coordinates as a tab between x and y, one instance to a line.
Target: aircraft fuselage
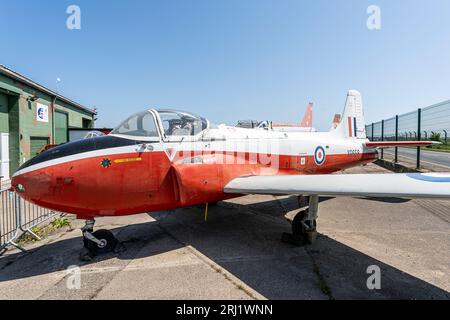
114	175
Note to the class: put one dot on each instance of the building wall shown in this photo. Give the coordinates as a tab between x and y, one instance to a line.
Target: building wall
75	115
14	146
30	127
19	118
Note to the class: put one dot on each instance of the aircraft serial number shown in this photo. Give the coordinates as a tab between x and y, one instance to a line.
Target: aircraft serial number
353	152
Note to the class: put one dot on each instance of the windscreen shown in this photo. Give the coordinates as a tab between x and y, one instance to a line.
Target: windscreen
140	125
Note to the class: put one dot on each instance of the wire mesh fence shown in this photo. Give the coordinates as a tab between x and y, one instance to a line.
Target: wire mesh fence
430	123
436	119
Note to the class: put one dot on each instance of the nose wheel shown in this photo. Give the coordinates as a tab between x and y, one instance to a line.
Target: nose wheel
98	242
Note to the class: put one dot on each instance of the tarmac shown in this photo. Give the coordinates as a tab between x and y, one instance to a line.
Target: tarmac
237	254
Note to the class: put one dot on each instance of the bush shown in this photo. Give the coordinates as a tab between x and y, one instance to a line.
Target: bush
435	136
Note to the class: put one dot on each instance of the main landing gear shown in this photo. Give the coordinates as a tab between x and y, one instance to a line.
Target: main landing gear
304	224
98	242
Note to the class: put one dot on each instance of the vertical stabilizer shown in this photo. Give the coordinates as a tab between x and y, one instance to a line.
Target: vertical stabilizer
308	117
352	125
336	121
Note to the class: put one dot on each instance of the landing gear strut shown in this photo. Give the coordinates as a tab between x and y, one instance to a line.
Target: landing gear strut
98	242
304	224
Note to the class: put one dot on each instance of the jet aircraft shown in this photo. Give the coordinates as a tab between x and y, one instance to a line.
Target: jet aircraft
165	159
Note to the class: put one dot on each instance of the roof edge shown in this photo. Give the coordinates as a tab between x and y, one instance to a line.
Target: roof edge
19	77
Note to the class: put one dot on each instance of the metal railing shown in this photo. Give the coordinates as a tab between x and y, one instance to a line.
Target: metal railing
18	217
430	123
9	218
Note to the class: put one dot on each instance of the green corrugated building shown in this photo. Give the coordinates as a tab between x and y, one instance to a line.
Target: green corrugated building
32	116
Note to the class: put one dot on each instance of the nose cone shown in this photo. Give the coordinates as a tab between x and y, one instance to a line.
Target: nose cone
36	179
33	179
31	185
66	178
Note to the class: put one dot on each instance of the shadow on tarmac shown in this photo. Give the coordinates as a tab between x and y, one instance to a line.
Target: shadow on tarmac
244	240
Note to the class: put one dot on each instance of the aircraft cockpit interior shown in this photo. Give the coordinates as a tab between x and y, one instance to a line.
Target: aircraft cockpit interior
153	124
180	123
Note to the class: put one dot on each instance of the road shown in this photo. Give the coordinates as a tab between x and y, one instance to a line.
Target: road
237	254
434	157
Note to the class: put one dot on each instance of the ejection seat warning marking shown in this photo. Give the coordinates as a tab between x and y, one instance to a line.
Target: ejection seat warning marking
125	160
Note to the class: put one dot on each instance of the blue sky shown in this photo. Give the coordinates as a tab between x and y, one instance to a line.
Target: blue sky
233	59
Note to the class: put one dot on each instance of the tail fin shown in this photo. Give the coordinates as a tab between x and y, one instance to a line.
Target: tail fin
307	119
352	125
336	121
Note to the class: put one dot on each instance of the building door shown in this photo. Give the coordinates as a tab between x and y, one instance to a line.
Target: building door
4	156
4	136
61	127
36	145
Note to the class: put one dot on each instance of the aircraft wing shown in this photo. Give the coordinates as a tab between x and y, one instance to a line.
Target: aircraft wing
411	185
392	144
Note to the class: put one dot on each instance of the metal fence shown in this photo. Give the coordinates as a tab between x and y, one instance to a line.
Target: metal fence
430	123
17	217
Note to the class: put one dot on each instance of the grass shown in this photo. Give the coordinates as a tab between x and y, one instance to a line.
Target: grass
60	222
439	147
42	231
436	147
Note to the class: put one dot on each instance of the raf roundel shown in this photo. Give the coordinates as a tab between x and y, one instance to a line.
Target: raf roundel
319	156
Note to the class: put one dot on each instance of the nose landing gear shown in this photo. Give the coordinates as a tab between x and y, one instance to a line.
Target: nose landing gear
98	242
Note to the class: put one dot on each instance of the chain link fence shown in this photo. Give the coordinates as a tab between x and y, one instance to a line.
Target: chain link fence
430	123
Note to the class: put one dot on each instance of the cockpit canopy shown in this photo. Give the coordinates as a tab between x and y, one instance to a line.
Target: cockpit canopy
141	124
171	124
180	123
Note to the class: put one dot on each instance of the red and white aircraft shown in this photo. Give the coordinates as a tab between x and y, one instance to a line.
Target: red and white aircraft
164	159
304	126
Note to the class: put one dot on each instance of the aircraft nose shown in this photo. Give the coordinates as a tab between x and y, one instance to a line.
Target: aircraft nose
66	177
32	179
34	176
27	184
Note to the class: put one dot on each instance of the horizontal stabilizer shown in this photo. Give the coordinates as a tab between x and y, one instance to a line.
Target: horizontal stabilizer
392	144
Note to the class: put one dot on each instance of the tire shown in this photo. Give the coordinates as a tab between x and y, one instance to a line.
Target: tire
108	239
298	229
